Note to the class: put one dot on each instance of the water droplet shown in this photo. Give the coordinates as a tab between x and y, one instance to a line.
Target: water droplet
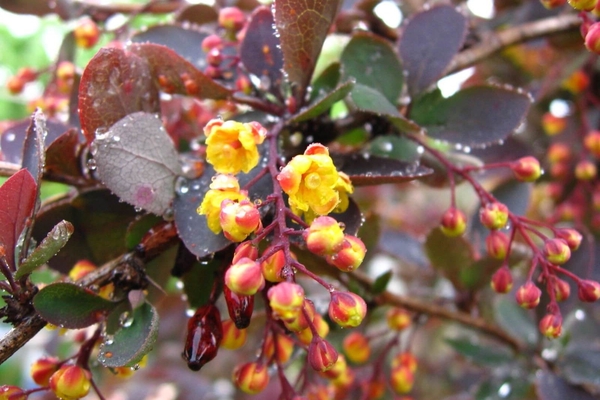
125	320
108	354
10	137
181	185
137	209
504	390
169	214
102	133
189	312
117	138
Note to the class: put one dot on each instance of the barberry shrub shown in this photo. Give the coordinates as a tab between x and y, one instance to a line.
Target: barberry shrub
303	200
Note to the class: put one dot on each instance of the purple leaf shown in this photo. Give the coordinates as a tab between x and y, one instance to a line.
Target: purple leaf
34	154
13	138
62	156
197	14
373	170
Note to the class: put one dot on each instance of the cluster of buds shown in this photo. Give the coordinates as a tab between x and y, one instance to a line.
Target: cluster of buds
16	84
402	373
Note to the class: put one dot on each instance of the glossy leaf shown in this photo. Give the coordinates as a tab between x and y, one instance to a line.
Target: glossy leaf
56	240
581	364
197	14
515	320
448	255
552	387
365	170
134	340
34	154
17	200
139	228
71	306
479	273
302	28
381	282
169	68
396	147
137	160
324	103
483	354
371	61
62	156
475	117
404	247
13	138
428	43
260	51
114	84
326	82
199	280
183	41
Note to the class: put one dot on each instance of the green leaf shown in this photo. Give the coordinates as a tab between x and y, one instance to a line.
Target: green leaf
134	340
198	281
483	354
56	239
479	273
396	147
326	81
323	104
372	62
449	255
139	228
581	364
552	387
515	320
381	282
70	306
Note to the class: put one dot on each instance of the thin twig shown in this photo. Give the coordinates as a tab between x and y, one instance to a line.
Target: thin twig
518	34
8	169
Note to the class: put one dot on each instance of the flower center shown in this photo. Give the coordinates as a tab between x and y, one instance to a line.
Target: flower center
312	181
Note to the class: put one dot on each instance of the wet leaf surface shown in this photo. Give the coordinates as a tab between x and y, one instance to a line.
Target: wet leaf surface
404	247
62	155
373	170
396	147
326	82
137	160
34	154
475	117
448	255
71	306
515	320
114	84
581	364
428	43
552	387
324	103
17	200
482	354
13	138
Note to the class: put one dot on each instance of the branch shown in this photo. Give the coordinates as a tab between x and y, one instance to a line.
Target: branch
8	169
437	311
498	40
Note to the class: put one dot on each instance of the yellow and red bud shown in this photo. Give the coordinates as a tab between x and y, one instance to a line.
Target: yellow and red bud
86	34
551	124
557	251
251	378
347	309
453	223
588	290
243	84
300	321
406	360
558	153
585	170
239	219
561	289
324	236
10	392
502	280
279	346
15	85
592	38
402	379
591	141
211	42
571	236
374	388
350	256
239	307
494	215
550	4
583	5
81	269
578	80
527	169
286	299
551	326
273	265
497	244
233	338
398	318
321	354
322	328
356	347
339	369
528	295
232	18
244	277
245	249
42	370
70	382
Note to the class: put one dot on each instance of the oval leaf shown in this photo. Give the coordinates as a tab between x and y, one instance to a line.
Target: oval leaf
70	306
475	117
552	387
481	353
134	340
114	84
34	155
449	255
323	104
429	42
365	170
136	159
56	240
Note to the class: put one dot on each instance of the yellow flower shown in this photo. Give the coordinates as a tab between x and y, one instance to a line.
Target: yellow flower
223	187
231	145
313	184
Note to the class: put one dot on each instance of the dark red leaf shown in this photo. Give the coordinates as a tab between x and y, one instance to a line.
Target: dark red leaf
429	42
366	170
12	139
302	28
197	14
260	51
114	84
34	154
62	155
17	199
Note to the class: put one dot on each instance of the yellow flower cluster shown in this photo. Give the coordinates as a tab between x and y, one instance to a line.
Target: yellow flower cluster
314	185
231	147
223	187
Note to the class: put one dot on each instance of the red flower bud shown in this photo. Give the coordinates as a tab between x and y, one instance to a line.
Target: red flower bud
347	309
204	334
557	251
279	346
273	265
321	354
592	139
528	295
86	34
42	370
81	269
454	222
502	280
350	256
286	299
214	57
245	249
402	380
406	360
356	347
211	42
398	319
251	377
494	215
552	124
551	326
15	85
339	372
240	307
232	18
243	84
324	236
233	338
588	290
558	153
9	392
527	169
561	288
70	382
301	320
244	277
497	244
571	236
239	219
549	4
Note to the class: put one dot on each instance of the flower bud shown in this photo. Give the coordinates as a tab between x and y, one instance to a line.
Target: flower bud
585	170
528	295
350	256
549	4
211	42
497	244
558	153
15	85
279	346
322	328
86	34
551	326
233	338
406	360
42	370
583	5
561	289
571	236
244	277
321	354
301	320
273	265
339	369
592	38
502	280
347	309
243	84
551	124
557	251
454	222
494	215
592	139
9	392
70	382
214	57
324	236
356	347
81	269
231	18
251	378
402	380
527	169
245	249
204	334
239	307
374	388
286	299
588	290
239	219
398	318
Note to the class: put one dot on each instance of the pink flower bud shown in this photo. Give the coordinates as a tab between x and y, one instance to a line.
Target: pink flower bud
286	299
347	309
561	288
591	141
232	18
211	42
527	169
321	354
244	277
273	265
398	319
245	249
356	347
571	236
454	222
528	295
70	382
494	215
251	378
551	326
502	280
42	370
239	219
497	244
324	236
350	256
588	290
557	251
